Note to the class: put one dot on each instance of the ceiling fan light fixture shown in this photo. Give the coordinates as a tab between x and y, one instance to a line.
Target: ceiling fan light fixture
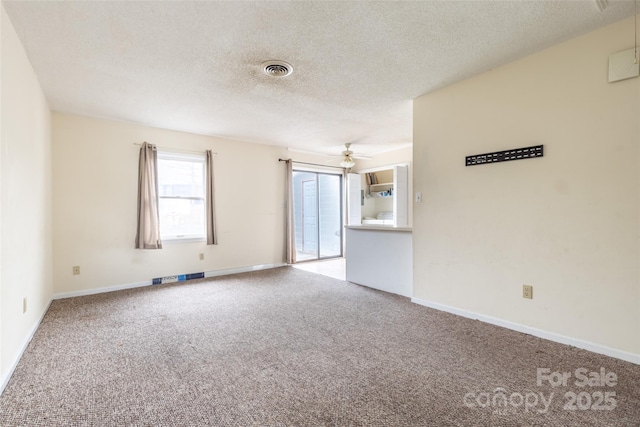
347	162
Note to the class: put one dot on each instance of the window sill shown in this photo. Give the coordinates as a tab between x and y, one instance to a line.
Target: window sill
172	240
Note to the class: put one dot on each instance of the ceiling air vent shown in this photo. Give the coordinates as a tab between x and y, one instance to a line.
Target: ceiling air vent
277	68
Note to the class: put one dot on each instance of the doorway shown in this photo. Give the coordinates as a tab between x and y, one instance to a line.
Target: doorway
317	203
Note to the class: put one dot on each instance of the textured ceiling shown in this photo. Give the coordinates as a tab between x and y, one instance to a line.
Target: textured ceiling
195	66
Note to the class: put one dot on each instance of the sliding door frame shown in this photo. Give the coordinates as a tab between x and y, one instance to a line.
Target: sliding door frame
317	172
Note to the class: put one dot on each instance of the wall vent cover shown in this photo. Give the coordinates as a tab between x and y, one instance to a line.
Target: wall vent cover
277	68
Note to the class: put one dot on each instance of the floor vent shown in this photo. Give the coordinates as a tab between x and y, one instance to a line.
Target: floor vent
178	278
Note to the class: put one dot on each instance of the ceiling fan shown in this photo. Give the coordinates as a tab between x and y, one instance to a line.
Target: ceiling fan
348	157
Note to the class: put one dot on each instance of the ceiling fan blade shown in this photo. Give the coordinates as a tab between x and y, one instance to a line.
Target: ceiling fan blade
337	156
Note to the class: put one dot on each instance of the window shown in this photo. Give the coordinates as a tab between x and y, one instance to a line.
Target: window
181	189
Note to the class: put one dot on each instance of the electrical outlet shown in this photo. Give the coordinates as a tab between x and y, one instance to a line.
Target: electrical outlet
24	304
527	291
76	270
201	257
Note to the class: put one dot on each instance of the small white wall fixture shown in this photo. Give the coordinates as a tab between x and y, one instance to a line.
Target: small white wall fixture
623	65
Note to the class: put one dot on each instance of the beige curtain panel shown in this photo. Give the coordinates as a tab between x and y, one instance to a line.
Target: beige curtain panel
148	229
212	235
290	243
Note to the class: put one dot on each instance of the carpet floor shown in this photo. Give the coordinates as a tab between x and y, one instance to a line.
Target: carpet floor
286	347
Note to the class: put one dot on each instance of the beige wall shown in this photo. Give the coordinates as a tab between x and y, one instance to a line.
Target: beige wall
2	29
568	223
25	214
95	185
3	376
95	188
403	155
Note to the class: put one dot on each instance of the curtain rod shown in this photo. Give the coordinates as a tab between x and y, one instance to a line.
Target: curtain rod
312	164
176	149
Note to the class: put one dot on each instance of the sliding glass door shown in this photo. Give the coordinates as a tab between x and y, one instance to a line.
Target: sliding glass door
317	201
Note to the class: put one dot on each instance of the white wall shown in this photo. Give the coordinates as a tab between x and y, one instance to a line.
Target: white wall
25	214
567	223
95	188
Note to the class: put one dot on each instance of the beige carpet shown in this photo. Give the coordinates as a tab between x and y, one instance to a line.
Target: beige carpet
287	347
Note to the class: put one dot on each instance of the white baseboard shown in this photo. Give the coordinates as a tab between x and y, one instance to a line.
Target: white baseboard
229	271
23	347
213	273
101	290
551	336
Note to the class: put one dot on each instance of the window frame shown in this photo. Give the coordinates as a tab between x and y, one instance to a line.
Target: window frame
184	157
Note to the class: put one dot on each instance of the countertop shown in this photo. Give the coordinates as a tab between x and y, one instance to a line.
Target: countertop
378	228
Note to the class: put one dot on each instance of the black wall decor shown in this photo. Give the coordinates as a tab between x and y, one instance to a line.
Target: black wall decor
505	156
